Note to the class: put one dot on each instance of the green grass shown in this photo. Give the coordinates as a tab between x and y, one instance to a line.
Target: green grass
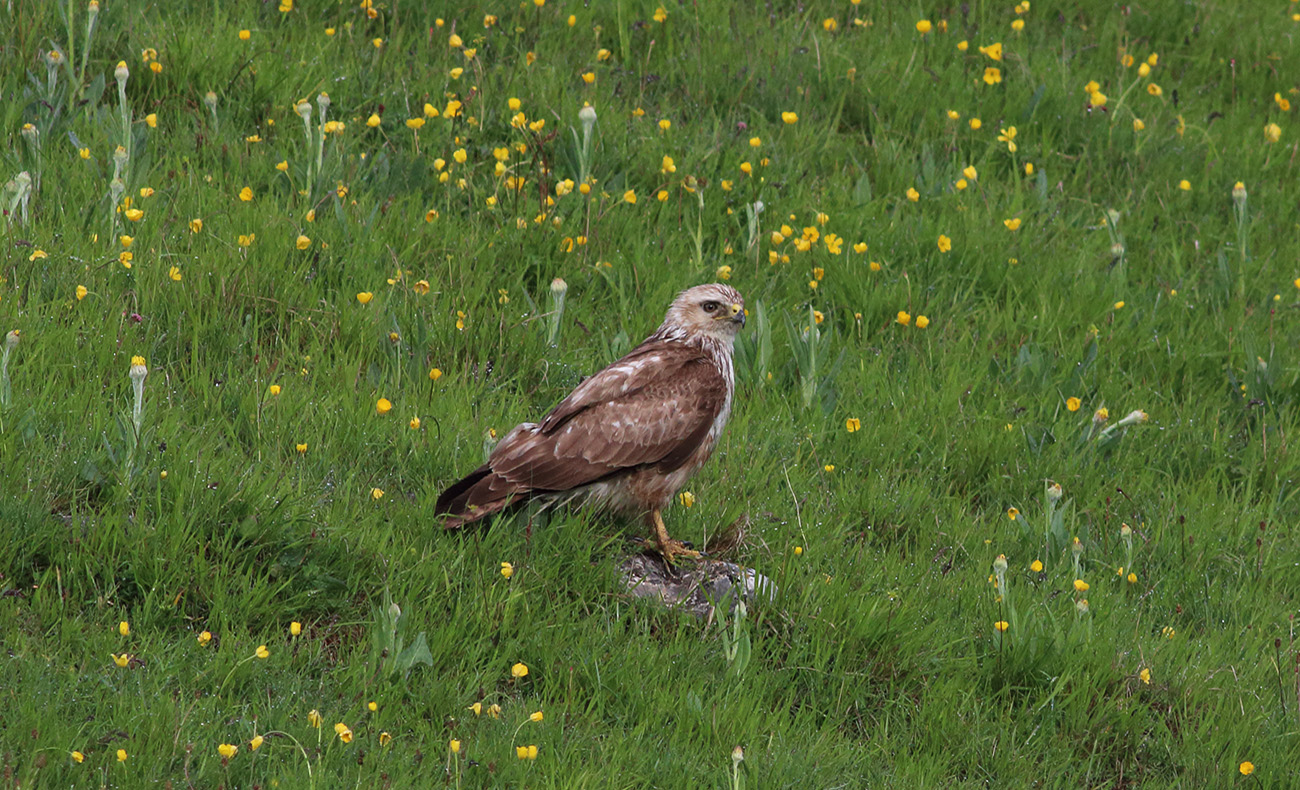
878	664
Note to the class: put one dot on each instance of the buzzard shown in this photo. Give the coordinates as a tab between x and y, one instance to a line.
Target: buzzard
628	437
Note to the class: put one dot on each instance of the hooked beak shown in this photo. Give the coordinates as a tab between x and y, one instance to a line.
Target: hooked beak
737	314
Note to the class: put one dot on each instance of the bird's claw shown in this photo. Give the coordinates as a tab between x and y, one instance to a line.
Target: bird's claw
671	550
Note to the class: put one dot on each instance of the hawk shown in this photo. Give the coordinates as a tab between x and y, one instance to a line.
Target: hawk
628	438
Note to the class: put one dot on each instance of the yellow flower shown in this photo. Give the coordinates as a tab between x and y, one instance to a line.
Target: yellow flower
975	124
434	374
1036	566
1119	305
519	670
687	499
256	743
1131	578
1154	89
903	317
302	242
246	239
1138	125
922	322
383	406
1012	513
507	570
227	750
81	292
963	45
78	757
246	194
134	214
535	716
414	423
123	660
1247	768
364	297
1017	25
945	243
665	124
1272	132
629	197
84	153
661	15
1185	185
124	628
923	26
961	184
374	120
121	756
204	638
521	752
262	652
853	425
992	76
789	118
245	35
1029	168
301	448
1001	625
970	172
913	195
1081	585
344	732
1072	403
1283	104
385	738
589	77
1012	224
994	51
477	707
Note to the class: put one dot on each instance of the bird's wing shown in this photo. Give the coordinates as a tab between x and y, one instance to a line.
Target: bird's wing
654	406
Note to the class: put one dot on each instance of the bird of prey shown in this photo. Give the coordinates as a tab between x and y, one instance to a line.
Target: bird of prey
628	438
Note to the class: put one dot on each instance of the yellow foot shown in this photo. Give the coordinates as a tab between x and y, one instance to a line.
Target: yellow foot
666	546
672	550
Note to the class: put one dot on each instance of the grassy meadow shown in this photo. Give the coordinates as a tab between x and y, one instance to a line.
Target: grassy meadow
1012	428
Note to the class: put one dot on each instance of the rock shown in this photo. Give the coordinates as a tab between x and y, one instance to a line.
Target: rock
695	587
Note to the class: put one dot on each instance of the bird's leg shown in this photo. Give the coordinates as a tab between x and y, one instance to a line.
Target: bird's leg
666	546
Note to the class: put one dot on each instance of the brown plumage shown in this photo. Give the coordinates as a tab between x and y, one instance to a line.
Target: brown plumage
628	438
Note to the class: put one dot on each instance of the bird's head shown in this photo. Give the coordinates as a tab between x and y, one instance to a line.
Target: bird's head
715	311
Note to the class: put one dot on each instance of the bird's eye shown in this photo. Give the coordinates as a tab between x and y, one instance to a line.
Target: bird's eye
709	307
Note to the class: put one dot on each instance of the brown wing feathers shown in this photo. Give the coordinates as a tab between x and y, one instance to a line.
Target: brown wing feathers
654	406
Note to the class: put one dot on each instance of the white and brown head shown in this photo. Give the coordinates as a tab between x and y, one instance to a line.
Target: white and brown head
714	312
